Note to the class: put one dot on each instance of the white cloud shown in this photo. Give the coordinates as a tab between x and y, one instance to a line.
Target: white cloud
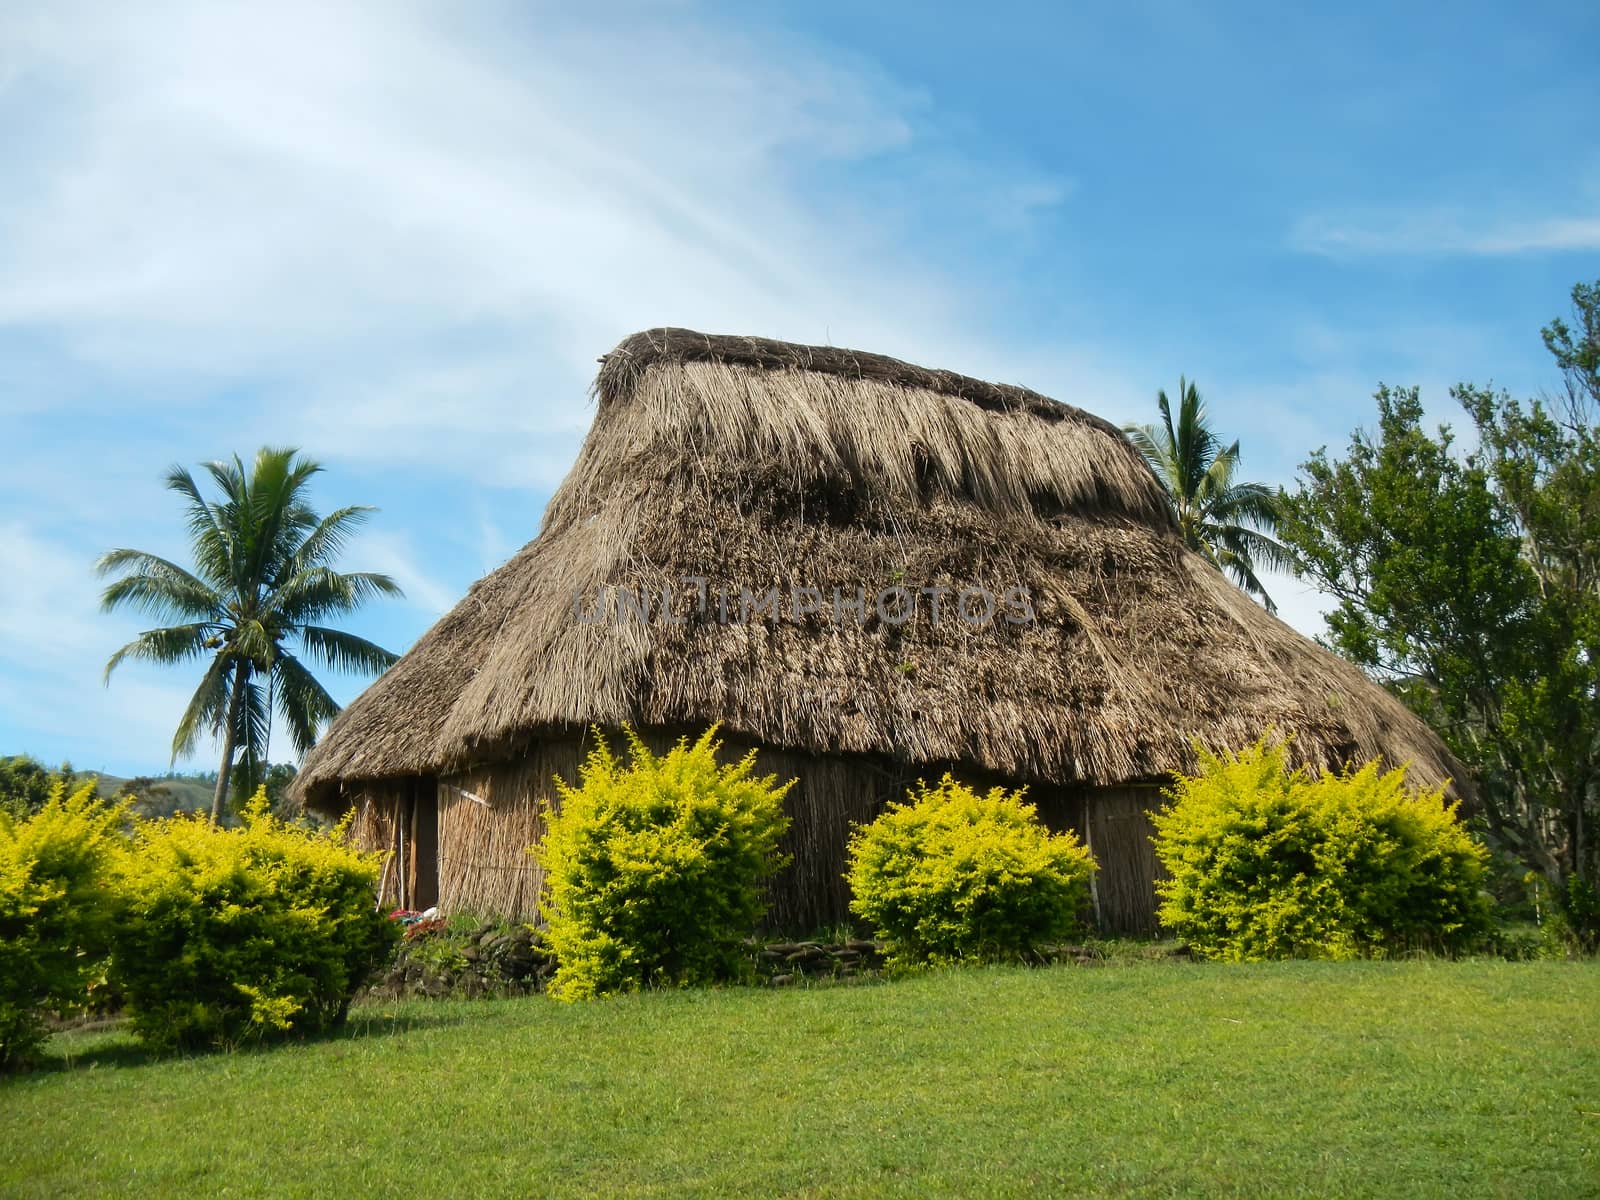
40	578
1443	233
54	642
418	225
393	555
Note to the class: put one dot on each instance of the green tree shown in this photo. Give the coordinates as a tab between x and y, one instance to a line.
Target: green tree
1471	583
262	586
1228	523
25	783
1578	355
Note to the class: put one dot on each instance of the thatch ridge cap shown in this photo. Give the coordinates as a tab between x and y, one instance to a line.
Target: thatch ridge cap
636	353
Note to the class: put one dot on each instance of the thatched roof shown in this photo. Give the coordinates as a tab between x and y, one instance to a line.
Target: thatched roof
757	464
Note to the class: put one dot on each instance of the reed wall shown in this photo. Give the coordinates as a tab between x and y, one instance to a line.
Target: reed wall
376	826
489	815
488	818
1118	829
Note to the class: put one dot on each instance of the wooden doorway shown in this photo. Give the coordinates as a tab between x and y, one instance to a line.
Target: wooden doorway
421	823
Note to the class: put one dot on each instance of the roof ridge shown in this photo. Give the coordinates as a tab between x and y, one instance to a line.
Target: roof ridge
636	353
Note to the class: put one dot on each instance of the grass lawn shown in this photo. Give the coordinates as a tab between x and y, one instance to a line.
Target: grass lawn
1313	1079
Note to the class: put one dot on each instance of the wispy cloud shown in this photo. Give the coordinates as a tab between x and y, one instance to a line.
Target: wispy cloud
398	234
53	646
416	225
1442	234
394	555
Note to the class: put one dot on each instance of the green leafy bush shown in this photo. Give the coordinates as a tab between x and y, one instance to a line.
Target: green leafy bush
1265	862
57	909
230	935
955	875
655	870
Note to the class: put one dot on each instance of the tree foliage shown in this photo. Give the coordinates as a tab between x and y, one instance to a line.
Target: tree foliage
26	783
1228	523
263	587
1471	583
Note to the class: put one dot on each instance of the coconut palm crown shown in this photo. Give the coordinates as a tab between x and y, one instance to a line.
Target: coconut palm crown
263	587
1228	523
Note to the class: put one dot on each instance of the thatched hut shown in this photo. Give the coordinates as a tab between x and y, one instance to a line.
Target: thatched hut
871	572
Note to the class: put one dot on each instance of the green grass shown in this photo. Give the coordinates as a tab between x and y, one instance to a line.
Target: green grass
1293	1079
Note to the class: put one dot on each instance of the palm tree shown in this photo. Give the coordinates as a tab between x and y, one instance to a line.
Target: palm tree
262	579
1227	523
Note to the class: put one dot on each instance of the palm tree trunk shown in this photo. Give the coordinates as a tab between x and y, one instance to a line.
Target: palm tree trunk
241	677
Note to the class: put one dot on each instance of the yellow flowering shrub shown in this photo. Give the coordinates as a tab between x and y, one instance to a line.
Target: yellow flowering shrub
955	875
58	906
655	869
1266	862
230	935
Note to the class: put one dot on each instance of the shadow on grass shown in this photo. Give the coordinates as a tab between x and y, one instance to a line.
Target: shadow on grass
113	1044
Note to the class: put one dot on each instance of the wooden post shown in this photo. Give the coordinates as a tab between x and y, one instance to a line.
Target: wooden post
400	856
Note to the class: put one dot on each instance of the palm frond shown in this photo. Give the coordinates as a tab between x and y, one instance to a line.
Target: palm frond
1203	543
1240	551
1260	549
1153	446
1143	439
340	651
174	644
232	514
277	510
156	587
327	541
248	771
253	640
320	592
1217	479
1164	407
252	729
1193	442
210	539
1238	566
304	703
1252	503
207	707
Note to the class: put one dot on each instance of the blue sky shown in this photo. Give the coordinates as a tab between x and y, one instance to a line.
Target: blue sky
399	235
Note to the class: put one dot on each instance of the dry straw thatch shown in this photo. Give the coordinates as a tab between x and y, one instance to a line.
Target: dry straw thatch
758	464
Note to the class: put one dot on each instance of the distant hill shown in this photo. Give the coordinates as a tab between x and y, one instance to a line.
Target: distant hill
25	783
160	795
